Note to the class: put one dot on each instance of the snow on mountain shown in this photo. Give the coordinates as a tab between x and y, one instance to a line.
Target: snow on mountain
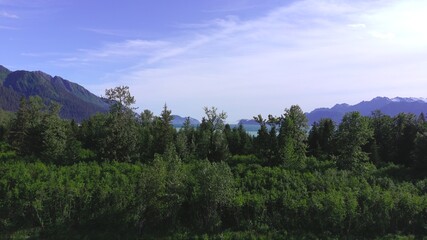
411	99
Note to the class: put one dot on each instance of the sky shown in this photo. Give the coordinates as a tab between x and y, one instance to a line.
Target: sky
245	57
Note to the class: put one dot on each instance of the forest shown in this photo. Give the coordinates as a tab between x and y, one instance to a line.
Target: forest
122	175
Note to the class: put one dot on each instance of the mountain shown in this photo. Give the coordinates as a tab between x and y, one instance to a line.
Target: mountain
247	122
179	121
3	73
77	102
388	106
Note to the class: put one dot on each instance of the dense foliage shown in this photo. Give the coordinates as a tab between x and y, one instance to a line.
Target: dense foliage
122	175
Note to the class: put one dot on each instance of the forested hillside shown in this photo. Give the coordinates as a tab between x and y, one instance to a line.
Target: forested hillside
120	175
77	102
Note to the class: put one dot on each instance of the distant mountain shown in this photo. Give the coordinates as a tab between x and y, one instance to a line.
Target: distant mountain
388	106
247	122
77	102
179	121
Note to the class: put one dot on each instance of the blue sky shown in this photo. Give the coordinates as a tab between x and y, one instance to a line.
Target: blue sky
245	57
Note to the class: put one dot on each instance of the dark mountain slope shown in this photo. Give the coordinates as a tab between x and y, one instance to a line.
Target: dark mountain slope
77	102
3	73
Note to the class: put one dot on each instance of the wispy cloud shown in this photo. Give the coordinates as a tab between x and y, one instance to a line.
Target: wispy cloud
128	48
42	54
109	32
357	25
313	52
8	15
7	28
233	9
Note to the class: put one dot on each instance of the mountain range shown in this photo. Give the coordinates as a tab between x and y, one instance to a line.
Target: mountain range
78	103
388	106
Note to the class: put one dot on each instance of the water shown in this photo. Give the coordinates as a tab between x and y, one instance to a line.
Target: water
251	129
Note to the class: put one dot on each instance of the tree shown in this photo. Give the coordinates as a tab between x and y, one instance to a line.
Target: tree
163	131
292	139
216	120
24	135
74	151
147	118
121	135
213	142
37	130
5	120
239	141
146	135
121	98
404	131
353	133
383	137
320	138
314	148
265	143
54	135
420	153
92	131
212	190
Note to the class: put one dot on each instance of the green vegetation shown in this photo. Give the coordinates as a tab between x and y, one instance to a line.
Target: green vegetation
125	176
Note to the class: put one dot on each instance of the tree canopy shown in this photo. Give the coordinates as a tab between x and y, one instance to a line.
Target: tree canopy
129	176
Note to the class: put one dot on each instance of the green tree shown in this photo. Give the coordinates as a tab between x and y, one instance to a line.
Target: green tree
121	132
37	130
185	141
405	131
212	190
164	132
239	141
292	137
320	138
74	151
161	191
54	135
146	135
121	98
265	143
92	131
5	120
211	140
420	153
215	119
19	135
353	133
383	143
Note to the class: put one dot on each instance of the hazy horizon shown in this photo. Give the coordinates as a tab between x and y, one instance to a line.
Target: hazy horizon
243	57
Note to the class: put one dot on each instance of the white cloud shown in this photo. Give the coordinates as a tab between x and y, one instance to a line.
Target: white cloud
103	31
8	15
2	27
313	53
357	25
380	35
128	48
